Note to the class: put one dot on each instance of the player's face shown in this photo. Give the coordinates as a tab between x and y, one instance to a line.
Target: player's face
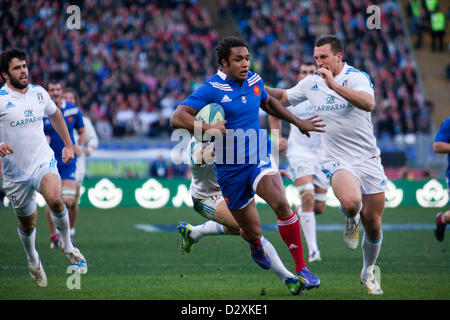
69	97
306	71
325	58
17	75
238	64
55	92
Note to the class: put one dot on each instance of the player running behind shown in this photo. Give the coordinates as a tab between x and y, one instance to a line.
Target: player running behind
71	96
74	121
28	163
243	162
304	157
209	202
344	97
441	144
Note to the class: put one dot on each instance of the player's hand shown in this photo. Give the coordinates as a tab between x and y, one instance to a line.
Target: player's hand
282	145
77	150
327	75
5	149
311	124
67	154
285	174
220	126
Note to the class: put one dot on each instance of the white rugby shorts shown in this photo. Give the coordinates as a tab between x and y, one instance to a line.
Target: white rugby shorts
207	206
369	172
302	167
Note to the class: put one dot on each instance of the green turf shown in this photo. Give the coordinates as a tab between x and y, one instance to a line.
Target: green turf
127	263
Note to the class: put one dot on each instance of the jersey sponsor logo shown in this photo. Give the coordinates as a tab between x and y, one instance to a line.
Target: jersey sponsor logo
28	113
24	122
314	87
330	99
335	107
226	99
256	90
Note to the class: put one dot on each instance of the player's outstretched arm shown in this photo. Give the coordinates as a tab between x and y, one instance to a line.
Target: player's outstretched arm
60	127
279	94
184	118
273	107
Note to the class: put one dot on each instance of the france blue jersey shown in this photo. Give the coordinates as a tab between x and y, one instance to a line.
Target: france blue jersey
245	142
74	120
443	135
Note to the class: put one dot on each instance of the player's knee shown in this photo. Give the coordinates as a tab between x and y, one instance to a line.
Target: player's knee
55	203
319	207
307	199
281	209
351	205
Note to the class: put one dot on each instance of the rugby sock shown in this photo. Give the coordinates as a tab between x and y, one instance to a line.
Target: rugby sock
356	218
308	225
29	241
290	233
72	232
275	262
207	228
370	249
441	221
61	220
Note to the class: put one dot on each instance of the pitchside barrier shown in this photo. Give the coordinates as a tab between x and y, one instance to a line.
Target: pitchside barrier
153	193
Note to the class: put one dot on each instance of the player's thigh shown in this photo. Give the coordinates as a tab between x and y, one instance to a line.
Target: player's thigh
22	197
248	220
347	188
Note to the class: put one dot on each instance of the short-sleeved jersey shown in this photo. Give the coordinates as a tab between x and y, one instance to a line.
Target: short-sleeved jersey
349	130
203	177
299	145
443	135
74	120
21	123
241	105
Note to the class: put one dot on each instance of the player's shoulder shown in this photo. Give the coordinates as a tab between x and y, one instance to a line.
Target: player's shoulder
446	123
218	82
4	91
253	78
37	88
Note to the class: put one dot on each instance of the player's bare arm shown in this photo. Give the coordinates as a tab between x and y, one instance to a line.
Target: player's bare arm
184	118
279	94
60	127
441	147
78	149
273	107
359	99
5	149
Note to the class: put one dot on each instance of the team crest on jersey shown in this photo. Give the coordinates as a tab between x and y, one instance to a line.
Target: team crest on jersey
330	99
256	90
14	199
70	119
227	200
244	99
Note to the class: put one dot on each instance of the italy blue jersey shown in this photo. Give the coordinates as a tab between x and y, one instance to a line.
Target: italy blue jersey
443	135
74	120
245	141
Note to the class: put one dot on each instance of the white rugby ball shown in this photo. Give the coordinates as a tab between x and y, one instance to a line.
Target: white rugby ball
210	114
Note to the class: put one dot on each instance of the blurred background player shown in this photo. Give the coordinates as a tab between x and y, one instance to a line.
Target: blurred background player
344	97
28	169
304	157
209	202
74	121
442	145
71	96
248	167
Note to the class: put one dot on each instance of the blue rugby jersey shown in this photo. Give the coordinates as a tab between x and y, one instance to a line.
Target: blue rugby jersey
74	120
443	135
241	105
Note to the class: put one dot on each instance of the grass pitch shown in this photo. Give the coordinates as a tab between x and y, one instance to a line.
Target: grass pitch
127	263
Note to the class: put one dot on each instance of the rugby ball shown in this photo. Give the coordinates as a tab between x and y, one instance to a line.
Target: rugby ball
210	114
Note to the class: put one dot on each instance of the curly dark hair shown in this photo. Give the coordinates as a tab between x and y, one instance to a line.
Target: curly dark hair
223	50
6	57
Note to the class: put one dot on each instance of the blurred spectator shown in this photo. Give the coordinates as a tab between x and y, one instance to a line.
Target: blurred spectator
416	19
437	24
159	168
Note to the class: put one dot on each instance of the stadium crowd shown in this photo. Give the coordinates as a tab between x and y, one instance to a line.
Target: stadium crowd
133	61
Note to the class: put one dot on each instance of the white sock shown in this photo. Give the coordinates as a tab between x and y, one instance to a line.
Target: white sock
370	249
29	241
276	265
356	218
72	232
208	228
308	224
61	221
